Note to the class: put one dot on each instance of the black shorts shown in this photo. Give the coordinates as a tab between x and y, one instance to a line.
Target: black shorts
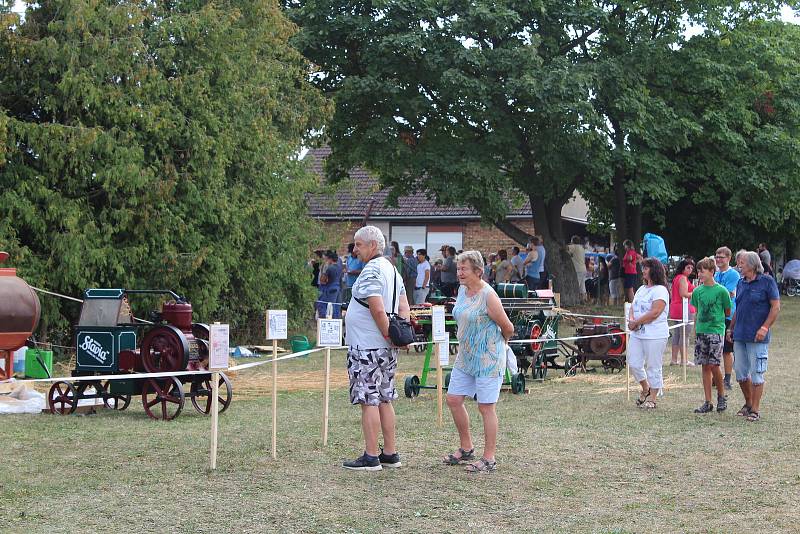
629	280
727	347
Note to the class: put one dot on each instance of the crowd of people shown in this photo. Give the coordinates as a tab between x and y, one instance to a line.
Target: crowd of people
734	309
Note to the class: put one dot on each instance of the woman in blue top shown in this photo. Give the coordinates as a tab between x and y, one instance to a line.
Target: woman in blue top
483	332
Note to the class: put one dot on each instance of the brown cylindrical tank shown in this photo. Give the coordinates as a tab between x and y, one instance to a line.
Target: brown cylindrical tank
19	308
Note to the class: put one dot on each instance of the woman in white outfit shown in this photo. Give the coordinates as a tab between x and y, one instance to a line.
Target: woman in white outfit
649	331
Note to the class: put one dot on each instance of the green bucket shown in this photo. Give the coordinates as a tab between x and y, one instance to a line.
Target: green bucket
300	343
33	368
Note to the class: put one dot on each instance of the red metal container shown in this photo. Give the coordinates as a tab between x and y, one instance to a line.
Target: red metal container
178	315
19	314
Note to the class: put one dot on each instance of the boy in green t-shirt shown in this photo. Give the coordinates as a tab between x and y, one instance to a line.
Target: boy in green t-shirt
713	303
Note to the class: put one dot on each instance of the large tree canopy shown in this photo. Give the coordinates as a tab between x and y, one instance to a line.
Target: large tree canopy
152	145
489	102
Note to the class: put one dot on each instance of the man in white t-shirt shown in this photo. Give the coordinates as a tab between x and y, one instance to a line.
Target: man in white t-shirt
422	283
371	358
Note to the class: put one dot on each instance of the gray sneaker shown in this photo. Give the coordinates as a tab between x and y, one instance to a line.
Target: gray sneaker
389	460
364	463
722	403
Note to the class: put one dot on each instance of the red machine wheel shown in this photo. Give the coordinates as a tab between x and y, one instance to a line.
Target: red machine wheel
165	349
536	332
201	394
163	398
62	398
618	342
113	401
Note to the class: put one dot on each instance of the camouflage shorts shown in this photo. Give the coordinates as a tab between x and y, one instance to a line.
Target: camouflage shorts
371	375
708	349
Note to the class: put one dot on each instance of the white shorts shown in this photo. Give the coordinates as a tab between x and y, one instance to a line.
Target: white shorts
486	387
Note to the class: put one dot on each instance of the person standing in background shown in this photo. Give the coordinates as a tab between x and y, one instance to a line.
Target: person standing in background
578	255
629	262
504	267
423	279
449	276
353	268
409	271
543	282
532	266
329	286
517	271
729	279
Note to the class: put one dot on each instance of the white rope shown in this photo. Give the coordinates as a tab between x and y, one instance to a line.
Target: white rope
54	294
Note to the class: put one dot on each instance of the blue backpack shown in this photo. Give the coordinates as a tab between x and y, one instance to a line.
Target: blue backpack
655	247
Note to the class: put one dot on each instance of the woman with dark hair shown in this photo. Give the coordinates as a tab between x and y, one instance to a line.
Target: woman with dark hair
649	331
682	287
602	281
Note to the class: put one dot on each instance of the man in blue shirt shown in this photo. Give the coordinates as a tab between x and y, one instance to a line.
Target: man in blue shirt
729	279
353	269
757	307
329	286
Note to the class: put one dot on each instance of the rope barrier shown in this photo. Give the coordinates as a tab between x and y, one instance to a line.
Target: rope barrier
55	294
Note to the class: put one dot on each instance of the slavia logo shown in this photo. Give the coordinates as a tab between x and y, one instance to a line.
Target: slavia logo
94	349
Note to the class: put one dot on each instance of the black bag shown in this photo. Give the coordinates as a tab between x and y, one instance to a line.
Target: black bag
400	330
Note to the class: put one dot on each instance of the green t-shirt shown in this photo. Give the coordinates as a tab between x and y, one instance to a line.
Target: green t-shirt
711	303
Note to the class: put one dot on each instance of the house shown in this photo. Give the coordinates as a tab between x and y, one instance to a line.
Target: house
416	220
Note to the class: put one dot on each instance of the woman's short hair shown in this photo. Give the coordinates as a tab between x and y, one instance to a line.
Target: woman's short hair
473	257
503	254
627	243
752	259
657	273
371	234
707	264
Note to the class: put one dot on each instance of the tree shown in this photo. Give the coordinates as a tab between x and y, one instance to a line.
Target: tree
152	144
476	104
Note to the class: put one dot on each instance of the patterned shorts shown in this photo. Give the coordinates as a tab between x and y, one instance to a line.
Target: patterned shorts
708	349
371	373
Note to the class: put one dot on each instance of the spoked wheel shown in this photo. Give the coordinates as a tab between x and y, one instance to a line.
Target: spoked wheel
518	383
163	398
411	386
202	394
165	349
540	367
202	333
62	398
612	364
792	291
114	401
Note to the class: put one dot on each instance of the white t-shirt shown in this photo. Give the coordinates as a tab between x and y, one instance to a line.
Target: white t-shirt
375	280
642	303
421	268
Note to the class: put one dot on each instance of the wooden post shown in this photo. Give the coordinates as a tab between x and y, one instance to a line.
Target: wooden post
214	417
627	308
439	384
685	340
274	398
326	394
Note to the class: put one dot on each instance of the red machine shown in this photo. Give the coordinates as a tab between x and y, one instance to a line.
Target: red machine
19	314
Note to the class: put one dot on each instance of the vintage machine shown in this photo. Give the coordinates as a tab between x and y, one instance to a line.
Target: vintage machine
534	316
608	349
107	341
19	315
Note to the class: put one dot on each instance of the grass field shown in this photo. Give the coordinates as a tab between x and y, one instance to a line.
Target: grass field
573	456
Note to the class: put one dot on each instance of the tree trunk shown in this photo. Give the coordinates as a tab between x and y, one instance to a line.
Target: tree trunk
636	224
620	205
558	263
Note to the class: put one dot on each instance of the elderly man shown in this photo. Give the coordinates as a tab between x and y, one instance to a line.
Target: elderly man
757	307
371	358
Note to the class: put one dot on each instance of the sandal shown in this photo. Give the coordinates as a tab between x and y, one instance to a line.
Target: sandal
481	466
648	405
744	411
641	400
463	456
753	417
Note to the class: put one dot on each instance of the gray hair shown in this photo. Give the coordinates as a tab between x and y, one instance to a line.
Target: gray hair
752	259
473	257
371	234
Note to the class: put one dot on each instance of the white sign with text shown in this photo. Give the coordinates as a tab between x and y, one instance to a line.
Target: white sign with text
329	332
444	351
277	321
219	346
438	327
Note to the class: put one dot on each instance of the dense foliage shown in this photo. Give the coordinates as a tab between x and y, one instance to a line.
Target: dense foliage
153	145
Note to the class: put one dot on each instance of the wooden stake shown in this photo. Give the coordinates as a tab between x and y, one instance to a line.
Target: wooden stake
439	385
627	310
685	341
274	398
326	395
214	417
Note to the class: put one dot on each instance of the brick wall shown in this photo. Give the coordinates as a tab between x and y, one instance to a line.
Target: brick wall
488	239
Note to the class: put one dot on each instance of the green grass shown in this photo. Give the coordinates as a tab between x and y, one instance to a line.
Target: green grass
573	456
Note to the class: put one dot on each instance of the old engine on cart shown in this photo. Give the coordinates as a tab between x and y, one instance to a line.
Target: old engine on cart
106	343
607	345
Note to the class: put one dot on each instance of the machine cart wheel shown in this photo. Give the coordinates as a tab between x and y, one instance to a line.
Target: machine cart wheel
518	383
613	365
540	366
163	398
164	349
202	333
62	398
201	393
114	401
411	386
